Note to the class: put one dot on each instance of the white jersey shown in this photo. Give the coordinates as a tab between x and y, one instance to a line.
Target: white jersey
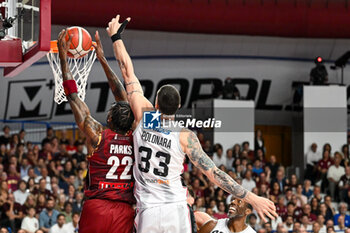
221	227
158	165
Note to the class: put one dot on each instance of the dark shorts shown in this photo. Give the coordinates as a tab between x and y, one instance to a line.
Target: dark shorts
104	216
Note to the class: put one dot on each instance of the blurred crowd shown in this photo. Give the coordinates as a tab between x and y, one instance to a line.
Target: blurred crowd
42	185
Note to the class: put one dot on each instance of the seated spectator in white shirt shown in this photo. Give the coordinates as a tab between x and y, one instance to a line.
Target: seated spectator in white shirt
74	225
31	174
248	182
321	220
21	194
218	157
60	226
305	222
44	175
289	223
335	172
30	223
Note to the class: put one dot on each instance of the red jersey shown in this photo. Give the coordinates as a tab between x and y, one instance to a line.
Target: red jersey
325	164
110	168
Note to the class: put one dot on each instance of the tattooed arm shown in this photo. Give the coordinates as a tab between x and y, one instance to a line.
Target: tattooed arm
85	122
113	80
134	90
192	147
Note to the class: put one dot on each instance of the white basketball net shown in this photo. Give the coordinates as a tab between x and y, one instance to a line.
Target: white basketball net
80	69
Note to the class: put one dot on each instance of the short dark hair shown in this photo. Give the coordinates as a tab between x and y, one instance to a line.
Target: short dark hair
60	215
122	116
168	99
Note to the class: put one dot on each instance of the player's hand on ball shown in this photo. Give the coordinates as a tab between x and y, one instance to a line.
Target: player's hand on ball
114	25
263	206
98	47
63	44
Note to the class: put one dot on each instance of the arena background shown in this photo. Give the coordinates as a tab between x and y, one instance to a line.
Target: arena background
268	53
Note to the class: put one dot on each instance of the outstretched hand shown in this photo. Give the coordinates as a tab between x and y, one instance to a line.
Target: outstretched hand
263	206
114	25
63	44
98	47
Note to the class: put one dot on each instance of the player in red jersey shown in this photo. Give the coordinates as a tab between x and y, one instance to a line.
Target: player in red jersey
109	184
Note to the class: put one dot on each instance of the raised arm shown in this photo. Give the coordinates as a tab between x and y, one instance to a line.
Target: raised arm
113	80
85	122
134	90
192	147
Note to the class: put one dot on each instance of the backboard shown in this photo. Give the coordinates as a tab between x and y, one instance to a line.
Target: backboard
25	33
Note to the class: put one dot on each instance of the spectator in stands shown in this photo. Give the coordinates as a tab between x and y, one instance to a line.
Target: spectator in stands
30	223
208	149
250	154
307	191
248	181
68	207
289	223
54	145
259	141
44	176
49	135
316	227
257	168
29	203
12	212
42	189
280	207
317	194
74	225
71	148
321	221
236	151
62	155
340	226
64	138
4	230
305	222
252	221
344	184
218	157
79	156
13	178
327	214
327	147
5	139
275	189
312	158
293	182
281	180
46	151
307	211
59	226
229	160
273	165
21	194
222	213
48	216
335	172
22	135
342	212
24	167
314	206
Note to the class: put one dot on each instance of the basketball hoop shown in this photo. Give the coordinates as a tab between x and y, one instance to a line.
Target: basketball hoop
79	67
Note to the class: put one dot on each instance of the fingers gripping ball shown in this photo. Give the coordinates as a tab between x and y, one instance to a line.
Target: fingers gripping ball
81	42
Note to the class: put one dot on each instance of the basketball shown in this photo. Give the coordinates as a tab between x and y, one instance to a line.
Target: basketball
81	42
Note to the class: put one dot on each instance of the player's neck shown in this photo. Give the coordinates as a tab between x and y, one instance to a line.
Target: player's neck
237	224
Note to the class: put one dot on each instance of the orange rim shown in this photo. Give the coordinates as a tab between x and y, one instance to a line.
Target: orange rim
54	48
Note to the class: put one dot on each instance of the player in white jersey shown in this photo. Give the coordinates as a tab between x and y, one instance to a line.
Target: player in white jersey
237	215
159	156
